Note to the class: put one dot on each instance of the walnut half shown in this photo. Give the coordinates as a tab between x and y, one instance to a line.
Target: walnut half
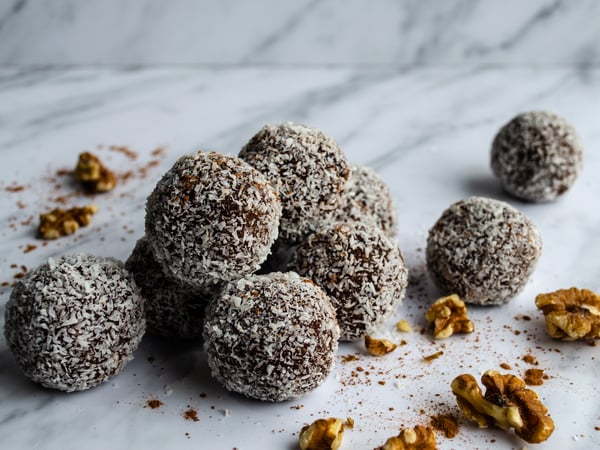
571	314
448	315
93	175
322	434
418	438
379	347
62	222
507	403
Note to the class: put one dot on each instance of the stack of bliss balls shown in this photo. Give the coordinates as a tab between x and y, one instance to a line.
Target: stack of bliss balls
286	249
270	258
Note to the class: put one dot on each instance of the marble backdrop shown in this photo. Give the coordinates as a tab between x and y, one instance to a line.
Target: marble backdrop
331	32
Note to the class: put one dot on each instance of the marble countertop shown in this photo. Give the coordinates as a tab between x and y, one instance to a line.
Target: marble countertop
426	131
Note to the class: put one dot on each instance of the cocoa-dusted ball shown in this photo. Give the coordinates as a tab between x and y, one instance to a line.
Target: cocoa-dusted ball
537	156
173	309
307	168
75	321
211	218
271	337
482	249
368	198
362	270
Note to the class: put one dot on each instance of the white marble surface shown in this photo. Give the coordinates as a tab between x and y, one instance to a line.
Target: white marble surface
272	32
426	131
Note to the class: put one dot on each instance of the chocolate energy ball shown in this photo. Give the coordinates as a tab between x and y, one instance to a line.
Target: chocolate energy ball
173	309
368	198
482	249
271	337
537	156
211	218
75	321
307	168
362	270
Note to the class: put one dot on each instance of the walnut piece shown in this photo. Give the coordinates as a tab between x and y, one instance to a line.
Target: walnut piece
62	222
571	314
322	434
507	403
379	347
419	438
404	326
448	315
92	174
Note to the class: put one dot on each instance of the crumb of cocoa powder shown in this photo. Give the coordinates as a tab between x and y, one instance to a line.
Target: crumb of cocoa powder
29	248
530	359
349	358
153	404
64	172
21	274
158	151
506	366
446	423
191	414
14	188
433	356
124	150
535	377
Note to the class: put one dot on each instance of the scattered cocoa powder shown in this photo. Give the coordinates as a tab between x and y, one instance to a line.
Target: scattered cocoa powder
191	414
446	423
530	359
124	150
153	404
535	377
29	248
506	366
14	188
349	358
433	356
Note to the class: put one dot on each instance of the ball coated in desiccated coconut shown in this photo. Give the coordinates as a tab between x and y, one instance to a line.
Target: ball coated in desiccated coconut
482	249
368	198
75	321
173	309
211	218
307	168
271	337
361	268
537	156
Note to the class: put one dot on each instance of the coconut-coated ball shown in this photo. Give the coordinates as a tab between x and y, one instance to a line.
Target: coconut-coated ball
75	321
537	156
361	268
308	169
211	218
173	309
368	198
271	337
482	249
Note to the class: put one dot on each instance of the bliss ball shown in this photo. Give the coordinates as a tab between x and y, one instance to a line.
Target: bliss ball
484	250
211	218
75	321
307	168
173	309
537	156
360	268
368	198
271	337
